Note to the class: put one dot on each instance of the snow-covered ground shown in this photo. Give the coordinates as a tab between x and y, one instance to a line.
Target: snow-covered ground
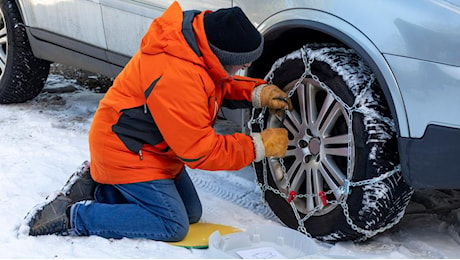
45	140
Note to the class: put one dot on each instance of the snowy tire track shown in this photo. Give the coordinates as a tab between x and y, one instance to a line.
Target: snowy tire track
234	188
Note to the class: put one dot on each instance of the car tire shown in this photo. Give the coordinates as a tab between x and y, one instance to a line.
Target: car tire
340	179
22	75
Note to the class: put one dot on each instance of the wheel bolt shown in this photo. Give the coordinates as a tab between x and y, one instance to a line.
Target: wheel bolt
303	144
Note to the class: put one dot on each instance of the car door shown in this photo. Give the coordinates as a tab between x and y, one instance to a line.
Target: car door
75	19
126	22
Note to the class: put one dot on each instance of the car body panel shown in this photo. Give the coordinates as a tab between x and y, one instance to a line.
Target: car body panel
63	18
405	28
431	92
130	19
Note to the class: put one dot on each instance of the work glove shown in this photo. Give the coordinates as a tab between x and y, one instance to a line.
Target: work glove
271	96
272	142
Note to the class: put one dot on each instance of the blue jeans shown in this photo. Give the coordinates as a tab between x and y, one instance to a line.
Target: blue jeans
159	210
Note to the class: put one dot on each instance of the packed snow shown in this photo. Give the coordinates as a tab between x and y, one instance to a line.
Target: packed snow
44	141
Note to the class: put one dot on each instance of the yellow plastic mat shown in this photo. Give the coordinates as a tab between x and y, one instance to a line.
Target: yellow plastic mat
198	234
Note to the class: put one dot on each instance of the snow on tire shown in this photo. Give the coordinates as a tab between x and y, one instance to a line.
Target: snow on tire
340	179
22	75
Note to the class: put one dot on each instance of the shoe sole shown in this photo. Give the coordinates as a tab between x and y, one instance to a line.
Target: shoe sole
30	218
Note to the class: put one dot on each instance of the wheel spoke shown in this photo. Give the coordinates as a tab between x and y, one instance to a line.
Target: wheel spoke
291	152
3	46
302	104
290	123
323	113
2	62
292	171
341	140
333	170
311	104
299	177
317	185
331	118
337	151
309	202
340	144
305	180
3	36
332	185
304	177
277	172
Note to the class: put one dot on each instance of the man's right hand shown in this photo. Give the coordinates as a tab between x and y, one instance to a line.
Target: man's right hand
274	98
275	142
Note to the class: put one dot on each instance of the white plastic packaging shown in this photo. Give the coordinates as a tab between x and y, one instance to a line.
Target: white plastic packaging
262	241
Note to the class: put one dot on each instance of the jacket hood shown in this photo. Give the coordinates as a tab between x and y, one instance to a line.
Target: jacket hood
182	35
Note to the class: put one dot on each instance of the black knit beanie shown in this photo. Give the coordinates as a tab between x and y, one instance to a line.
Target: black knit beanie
232	37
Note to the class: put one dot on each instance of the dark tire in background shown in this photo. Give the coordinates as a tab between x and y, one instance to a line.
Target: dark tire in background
340	133
22	76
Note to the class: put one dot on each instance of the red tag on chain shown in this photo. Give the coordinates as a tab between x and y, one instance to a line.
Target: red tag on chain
291	196
322	196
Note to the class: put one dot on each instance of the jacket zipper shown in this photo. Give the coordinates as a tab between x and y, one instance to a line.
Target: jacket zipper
141	157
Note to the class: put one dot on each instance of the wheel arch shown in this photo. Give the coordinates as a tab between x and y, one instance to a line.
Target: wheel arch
20	5
287	31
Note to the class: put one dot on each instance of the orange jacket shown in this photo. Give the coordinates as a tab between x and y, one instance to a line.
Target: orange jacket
160	111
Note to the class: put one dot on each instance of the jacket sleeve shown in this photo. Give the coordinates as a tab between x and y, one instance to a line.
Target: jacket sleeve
179	106
238	92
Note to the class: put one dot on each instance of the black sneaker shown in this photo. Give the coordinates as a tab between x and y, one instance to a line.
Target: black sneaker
80	185
52	218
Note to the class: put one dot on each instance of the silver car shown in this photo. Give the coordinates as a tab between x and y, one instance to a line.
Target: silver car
375	87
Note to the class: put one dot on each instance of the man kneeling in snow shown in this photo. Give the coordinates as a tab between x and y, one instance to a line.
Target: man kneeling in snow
158	117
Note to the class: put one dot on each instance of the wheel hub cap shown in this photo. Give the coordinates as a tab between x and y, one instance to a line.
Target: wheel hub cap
314	146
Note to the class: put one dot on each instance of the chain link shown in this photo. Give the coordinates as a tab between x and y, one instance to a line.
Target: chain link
308	57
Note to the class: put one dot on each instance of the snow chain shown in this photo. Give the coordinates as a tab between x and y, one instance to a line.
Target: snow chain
348	184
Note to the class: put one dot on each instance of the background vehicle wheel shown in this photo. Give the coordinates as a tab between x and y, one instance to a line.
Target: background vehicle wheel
340	179
22	76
